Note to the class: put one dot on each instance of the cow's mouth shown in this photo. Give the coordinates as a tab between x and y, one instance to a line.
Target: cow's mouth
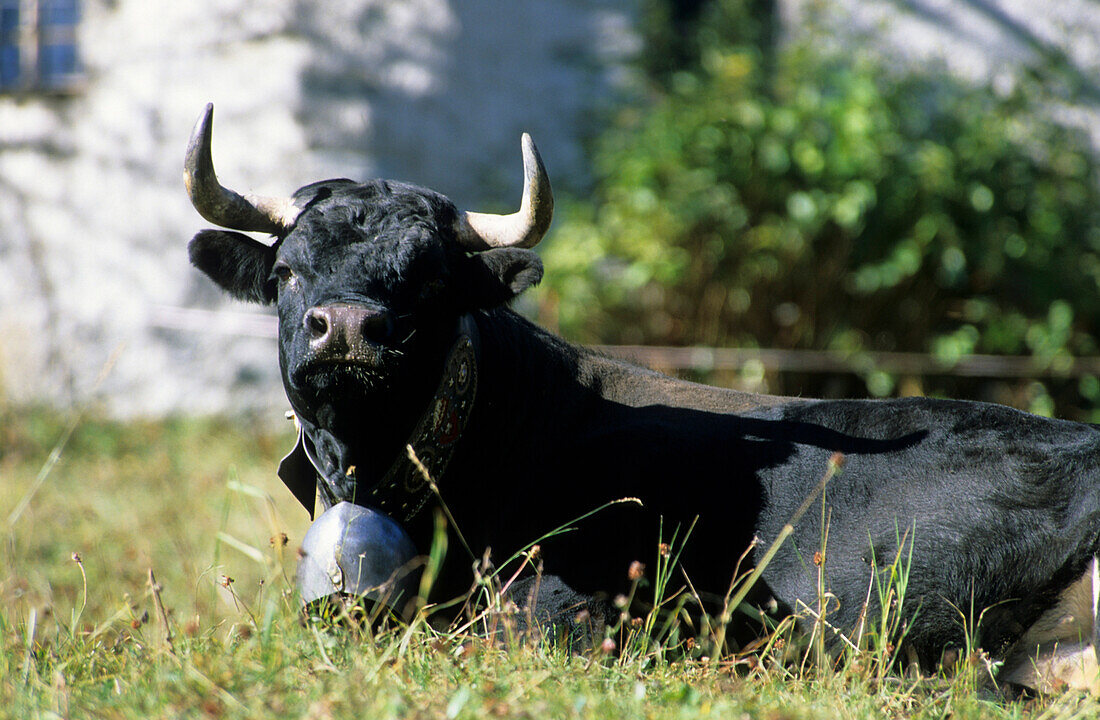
343	372
353	374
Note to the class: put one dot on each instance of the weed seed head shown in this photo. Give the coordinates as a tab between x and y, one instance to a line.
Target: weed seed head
636	571
607	646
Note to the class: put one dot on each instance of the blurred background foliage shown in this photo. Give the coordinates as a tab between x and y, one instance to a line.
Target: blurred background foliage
799	196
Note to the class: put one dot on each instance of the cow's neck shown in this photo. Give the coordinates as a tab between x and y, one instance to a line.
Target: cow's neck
529	389
538	391
379	460
406	485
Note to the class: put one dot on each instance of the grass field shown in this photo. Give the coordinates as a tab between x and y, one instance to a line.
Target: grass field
197	502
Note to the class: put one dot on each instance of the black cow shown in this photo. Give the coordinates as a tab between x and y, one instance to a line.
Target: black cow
394	329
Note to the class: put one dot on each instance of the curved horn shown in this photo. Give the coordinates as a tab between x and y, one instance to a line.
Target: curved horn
220	205
481	231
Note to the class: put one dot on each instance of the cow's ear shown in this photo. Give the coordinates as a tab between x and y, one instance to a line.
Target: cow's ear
496	276
238	264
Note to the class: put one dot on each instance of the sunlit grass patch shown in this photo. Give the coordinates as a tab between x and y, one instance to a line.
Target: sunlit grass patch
196	502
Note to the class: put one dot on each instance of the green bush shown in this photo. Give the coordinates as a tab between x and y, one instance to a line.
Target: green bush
826	203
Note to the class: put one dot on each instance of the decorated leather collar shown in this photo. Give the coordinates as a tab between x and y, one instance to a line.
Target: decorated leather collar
403	490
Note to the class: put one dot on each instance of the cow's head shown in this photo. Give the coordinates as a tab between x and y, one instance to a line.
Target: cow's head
369	278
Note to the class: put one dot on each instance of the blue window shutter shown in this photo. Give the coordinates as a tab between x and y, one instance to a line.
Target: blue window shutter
58	60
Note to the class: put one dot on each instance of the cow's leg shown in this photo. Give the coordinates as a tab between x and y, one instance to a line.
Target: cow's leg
546	604
1059	650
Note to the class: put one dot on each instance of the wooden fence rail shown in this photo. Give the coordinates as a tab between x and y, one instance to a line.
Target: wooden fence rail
706	358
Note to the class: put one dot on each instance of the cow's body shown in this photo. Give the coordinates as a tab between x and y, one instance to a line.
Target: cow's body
1001	508
990	508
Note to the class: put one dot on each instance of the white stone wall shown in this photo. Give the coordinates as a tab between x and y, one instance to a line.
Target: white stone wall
94	221
992	42
976	39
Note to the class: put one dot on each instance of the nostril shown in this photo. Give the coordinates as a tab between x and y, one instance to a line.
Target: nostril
341	327
316	322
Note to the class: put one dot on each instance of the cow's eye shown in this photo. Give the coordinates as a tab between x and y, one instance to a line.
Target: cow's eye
282	273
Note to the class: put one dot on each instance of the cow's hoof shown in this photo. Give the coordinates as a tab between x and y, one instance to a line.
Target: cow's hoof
353	552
